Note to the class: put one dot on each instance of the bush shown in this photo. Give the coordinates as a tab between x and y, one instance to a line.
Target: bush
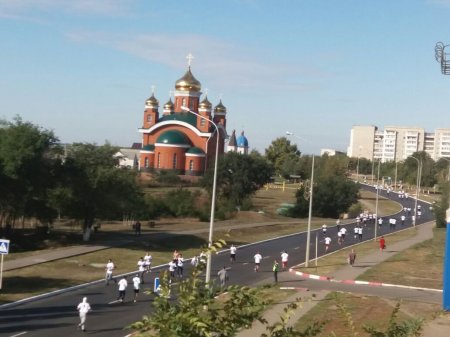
355	210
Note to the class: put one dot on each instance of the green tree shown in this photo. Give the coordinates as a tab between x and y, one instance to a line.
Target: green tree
440	207
28	161
96	186
239	176
283	155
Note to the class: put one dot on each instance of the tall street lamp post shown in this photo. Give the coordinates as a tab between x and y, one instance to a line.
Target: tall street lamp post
443	57
308	233
419	165
213	196
376	200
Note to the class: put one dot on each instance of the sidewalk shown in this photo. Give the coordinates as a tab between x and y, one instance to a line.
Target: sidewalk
440	328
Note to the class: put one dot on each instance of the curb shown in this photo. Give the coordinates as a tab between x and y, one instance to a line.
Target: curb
358	282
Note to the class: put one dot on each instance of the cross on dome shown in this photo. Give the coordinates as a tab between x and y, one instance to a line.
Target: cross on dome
206	91
189	57
153	89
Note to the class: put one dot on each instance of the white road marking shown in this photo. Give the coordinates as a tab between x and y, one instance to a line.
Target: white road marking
297	248
20	334
245	263
116	301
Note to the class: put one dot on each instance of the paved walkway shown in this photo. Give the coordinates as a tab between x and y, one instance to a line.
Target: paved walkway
437	328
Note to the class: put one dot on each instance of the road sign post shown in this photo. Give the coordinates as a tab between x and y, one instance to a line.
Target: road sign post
4	249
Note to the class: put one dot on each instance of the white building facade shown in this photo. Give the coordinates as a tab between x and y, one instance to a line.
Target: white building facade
396	143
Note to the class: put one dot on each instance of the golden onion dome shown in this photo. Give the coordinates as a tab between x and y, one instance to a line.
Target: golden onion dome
188	82
220	108
169	104
205	104
152	101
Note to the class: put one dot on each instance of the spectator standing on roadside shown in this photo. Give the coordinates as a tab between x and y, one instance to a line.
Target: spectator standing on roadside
382	243
109	272
351	257
137	228
223	277
123	284
257	258
136	285
233	250
275	269
83	308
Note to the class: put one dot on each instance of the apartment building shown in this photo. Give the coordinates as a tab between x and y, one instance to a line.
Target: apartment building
396	143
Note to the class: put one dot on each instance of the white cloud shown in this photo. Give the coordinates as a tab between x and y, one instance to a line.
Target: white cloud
223	63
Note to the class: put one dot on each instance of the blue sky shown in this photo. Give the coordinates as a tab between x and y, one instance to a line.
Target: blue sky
84	68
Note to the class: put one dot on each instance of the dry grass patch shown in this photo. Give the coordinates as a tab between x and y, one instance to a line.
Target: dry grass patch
367	310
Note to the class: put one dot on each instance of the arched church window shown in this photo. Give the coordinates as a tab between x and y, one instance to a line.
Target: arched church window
174	161
158	165
149	118
191	165
146	162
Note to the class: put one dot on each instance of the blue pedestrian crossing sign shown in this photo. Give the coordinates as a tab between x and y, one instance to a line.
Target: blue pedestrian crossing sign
4	246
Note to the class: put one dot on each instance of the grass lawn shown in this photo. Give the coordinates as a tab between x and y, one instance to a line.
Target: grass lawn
373	311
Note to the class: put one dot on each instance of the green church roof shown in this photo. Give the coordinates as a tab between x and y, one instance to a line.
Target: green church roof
182	117
149	147
195	150
173	137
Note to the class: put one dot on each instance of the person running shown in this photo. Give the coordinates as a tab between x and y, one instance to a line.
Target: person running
258	257
351	257
382	244
223	277
324	229
141	268
233	250
148	262
137	228
172	268
136	285
83	308
109	272
194	261
275	269
284	259
180	267
355	231
339	235
343	233
338	224
360	233
327	243
402	219
123	284
380	222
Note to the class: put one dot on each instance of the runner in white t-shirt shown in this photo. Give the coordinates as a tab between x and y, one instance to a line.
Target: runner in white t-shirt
327	243
258	258
284	259
233	250
136	285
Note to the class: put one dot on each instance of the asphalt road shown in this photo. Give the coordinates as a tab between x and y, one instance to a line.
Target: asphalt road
57	315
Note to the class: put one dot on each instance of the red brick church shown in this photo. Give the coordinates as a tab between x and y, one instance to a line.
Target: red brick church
177	140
